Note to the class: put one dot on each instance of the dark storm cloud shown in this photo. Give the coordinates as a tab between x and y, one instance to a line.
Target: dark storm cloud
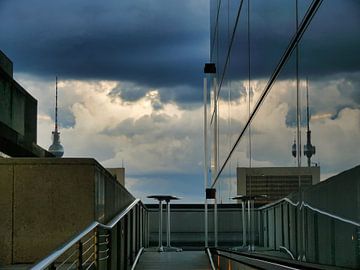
330	45
129	92
151	43
184	95
163	44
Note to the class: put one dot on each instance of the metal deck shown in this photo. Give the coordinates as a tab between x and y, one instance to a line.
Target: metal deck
174	260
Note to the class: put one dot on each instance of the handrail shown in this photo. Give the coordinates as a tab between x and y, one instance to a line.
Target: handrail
137	258
306	205
287	251
117	218
210	259
260	261
48	260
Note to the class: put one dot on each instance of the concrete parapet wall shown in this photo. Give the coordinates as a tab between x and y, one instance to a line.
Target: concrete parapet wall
187	225
44	202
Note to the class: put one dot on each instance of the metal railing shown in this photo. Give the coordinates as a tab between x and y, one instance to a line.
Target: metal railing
299	226
305	205
100	246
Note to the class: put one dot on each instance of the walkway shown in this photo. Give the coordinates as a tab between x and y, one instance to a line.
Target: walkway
174	260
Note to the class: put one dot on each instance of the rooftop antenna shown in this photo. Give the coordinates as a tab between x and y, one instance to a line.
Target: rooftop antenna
309	149
56	148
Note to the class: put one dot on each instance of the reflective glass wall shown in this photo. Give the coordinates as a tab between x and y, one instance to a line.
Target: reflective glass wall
284	122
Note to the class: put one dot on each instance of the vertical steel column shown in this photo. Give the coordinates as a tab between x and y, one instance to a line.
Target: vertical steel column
243	223
205	161
160	225
215	223
249	224
215	128
168	224
252	225
141	226
215	160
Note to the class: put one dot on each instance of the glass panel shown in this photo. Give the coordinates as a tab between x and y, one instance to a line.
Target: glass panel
292	208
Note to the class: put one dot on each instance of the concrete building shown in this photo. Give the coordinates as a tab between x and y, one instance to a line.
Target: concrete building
45	201
118	174
18	116
275	182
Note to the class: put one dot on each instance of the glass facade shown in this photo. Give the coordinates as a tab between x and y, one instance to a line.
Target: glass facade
286	94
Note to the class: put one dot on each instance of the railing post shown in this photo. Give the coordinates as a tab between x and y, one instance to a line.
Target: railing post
109	247
358	246
80	258
52	266
96	247
215	223
243	223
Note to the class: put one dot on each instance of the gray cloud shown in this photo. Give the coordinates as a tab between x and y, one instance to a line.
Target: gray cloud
129	92
66	117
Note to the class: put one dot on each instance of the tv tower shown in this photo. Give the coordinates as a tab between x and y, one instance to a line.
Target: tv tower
309	149
56	148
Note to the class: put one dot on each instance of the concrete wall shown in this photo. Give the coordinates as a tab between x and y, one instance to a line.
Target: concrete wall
18	116
6	64
44	202
187	225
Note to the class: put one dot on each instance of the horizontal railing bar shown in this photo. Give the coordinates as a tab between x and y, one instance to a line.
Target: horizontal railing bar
72	254
57	253
62	249
103	235
90	248
91	256
71	265
88	240
90	265
103	259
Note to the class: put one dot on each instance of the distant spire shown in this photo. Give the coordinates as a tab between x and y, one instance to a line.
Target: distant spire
56	148
309	149
56	104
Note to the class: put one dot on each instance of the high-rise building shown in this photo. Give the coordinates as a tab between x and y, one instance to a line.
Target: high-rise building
275	182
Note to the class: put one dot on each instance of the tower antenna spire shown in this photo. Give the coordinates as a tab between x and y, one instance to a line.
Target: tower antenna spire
56	148
56	105
309	149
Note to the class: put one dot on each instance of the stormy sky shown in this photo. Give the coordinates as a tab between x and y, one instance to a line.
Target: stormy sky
131	82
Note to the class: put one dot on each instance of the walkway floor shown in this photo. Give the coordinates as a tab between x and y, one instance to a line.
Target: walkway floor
188	260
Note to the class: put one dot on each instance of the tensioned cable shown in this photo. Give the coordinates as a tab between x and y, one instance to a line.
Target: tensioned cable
215	30
249	80
284	58
229	103
227	57
298	116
